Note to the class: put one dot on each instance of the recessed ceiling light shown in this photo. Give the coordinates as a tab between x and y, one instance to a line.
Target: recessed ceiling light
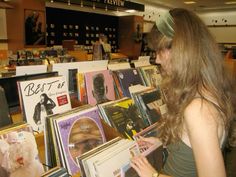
189	2
130	11
230	2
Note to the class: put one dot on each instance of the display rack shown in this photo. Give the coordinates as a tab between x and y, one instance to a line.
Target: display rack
82	27
110	133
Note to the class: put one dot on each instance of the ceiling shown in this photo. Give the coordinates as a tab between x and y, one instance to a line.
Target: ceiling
200	5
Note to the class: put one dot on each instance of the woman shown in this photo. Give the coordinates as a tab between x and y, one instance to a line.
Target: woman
43	108
198	99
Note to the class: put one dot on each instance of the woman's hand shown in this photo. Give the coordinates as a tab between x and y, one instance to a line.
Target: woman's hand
145	143
142	166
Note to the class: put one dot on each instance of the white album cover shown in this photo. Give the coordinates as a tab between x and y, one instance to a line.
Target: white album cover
43	97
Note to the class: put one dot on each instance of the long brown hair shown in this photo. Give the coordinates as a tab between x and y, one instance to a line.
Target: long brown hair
196	65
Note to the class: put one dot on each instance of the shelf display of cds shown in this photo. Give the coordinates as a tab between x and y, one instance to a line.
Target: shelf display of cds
92	35
57	33
82	27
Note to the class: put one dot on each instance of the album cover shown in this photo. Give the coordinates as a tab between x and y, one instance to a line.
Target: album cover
79	133
154	157
115	160
150	131
123	116
99	86
73	83
57	171
30	69
81	88
53	149
5	118
151	75
19	152
81	160
43	97
107	160
128	77
150	104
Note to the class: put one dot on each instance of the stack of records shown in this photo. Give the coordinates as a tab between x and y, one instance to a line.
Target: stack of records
125	78
104	160
55	172
71	134
151	131
19	152
112	159
151	75
123	115
150	103
152	153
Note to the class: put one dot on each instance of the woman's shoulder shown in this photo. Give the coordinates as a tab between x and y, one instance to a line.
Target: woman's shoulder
202	118
203	110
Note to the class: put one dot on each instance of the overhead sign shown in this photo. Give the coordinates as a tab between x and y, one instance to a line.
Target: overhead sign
120	3
111	3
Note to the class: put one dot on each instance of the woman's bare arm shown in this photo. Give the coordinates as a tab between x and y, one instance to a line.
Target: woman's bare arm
202	123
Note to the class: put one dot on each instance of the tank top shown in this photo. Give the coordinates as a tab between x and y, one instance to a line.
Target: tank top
180	161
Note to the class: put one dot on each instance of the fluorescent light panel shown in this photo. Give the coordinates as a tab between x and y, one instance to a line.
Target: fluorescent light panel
230	2
130	11
189	2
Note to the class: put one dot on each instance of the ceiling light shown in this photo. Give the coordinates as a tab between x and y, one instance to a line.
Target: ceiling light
230	2
130	10
189	2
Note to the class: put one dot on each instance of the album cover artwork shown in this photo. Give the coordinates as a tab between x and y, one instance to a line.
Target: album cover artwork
43	97
99	86
79	133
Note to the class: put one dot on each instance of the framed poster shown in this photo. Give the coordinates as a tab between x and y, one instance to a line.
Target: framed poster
35	28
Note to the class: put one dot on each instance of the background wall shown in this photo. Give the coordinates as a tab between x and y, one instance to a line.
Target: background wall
224	34
15	21
222	25
3	30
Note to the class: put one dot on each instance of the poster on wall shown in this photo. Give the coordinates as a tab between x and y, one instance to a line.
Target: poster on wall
35	29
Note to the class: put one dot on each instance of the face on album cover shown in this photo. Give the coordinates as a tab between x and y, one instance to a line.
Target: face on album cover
80	133
99	87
